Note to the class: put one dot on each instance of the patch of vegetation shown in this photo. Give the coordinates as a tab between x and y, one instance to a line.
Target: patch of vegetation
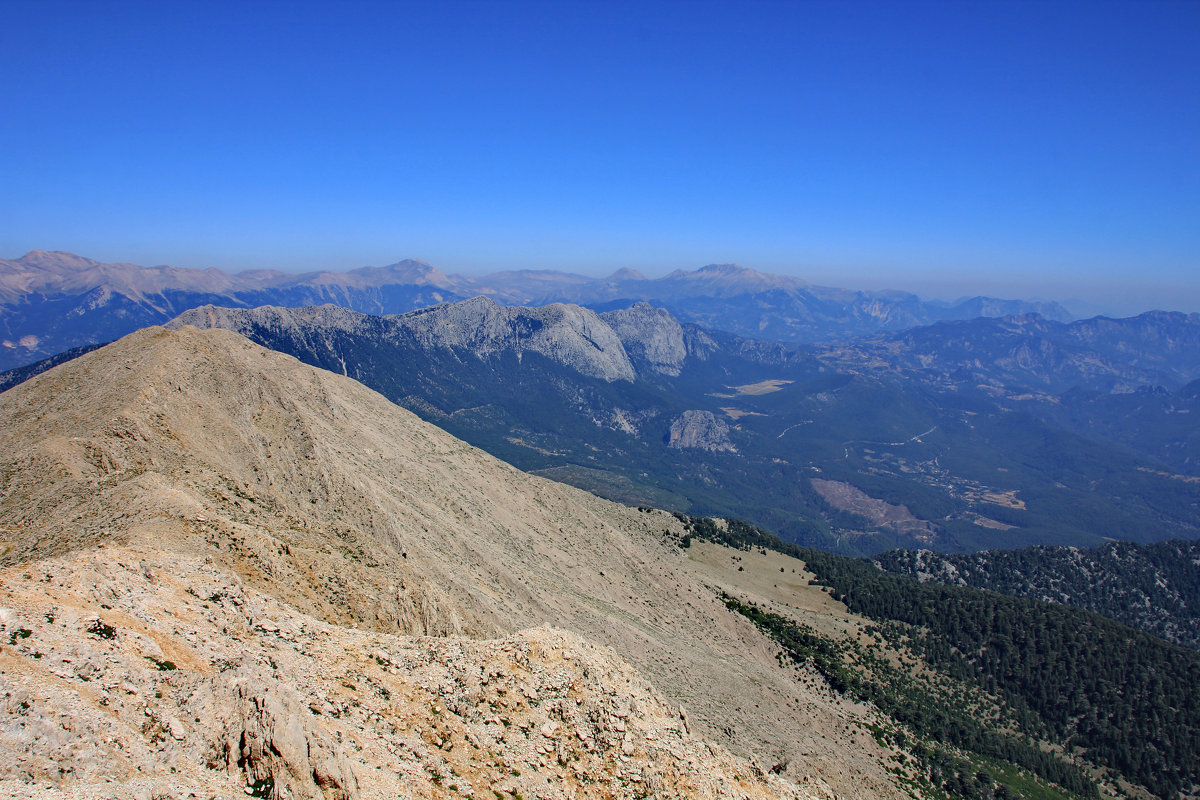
263	787
802	644
1125	698
163	666
19	633
99	628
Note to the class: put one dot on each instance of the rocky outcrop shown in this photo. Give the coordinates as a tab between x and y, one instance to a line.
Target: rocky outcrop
701	430
296	321
569	335
651	336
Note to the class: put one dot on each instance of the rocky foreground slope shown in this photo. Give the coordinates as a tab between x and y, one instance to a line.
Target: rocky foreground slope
225	572
186	681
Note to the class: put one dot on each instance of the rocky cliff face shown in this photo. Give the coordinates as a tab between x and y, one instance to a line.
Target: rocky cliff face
654	338
702	430
572	336
218	564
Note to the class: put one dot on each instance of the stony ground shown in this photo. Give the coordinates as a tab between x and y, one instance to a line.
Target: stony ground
127	674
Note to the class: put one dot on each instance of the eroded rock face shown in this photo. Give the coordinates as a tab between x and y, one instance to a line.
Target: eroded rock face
566	334
650	335
569	334
702	430
185	681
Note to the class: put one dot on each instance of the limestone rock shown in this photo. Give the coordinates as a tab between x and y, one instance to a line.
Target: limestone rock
701	430
567	334
337	714
650	335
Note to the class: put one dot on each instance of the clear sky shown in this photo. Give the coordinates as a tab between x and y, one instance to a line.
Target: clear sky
1024	149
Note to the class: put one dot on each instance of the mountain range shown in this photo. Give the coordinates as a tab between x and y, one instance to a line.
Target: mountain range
52	301
227	571
1133	383
1029	354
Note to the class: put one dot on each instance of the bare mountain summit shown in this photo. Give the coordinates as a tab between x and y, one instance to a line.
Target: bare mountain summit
227	573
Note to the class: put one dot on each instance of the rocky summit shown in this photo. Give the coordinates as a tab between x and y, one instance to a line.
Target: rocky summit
225	573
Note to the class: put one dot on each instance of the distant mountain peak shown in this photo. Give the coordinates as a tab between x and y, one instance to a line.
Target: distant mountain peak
727	280
724	269
626	274
479	303
55	259
411	268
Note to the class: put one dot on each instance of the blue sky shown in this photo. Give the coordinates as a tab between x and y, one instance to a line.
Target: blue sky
1022	149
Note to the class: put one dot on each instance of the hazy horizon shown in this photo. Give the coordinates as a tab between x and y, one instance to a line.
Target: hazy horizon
1045	150
1125	301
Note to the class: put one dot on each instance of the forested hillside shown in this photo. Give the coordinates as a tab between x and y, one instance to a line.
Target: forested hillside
1119	699
1155	587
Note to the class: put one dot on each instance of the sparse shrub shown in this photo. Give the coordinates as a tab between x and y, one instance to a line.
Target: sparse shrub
98	628
262	787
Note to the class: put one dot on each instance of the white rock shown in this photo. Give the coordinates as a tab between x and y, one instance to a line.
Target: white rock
176	729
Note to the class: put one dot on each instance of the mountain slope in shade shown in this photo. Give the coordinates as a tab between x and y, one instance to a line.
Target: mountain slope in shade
1029	353
299	505
1129	382
51	301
